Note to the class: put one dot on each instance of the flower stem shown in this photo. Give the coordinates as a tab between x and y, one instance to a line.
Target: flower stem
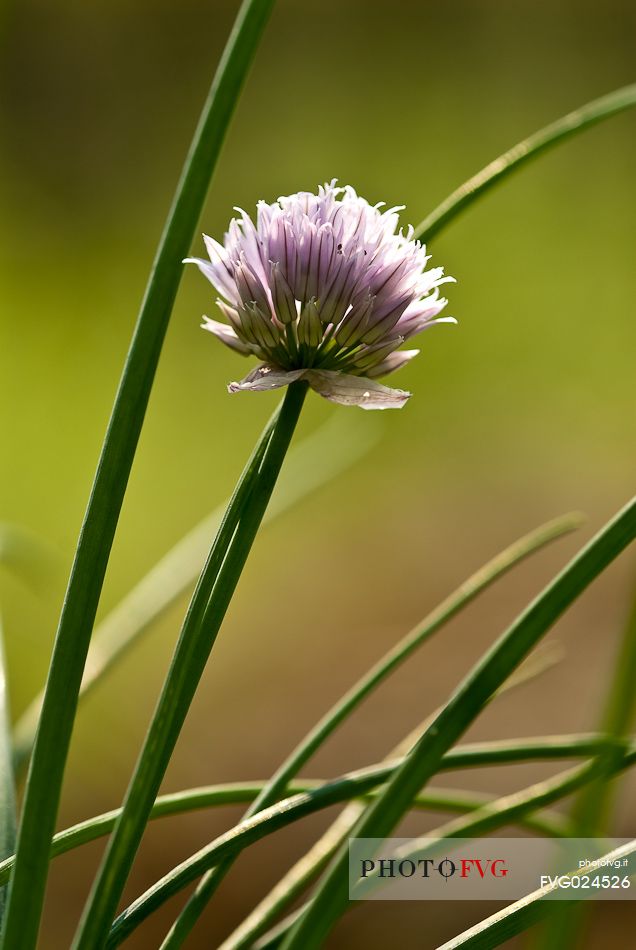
201	625
310	465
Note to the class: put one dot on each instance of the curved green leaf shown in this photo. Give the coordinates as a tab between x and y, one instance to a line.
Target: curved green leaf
296	880
349	786
26	893
459	599
202	623
495	814
308	466
592	805
526	912
7	787
516	157
461	710
472	755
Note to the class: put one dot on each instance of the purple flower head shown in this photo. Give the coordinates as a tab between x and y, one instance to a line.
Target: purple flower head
323	288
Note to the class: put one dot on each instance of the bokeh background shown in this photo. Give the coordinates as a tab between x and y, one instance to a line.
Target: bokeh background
523	411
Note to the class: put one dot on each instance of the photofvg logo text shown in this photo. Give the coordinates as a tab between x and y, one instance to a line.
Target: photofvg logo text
447	868
489	869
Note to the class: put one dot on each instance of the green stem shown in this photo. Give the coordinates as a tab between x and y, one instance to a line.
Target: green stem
507	163
591	807
26	893
593	804
498	813
530	148
523	914
308	466
7	785
461	710
434	621
201	625
309	865
469	755
459	599
495	814
472	755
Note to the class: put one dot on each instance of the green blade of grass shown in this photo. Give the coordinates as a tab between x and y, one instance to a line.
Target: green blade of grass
261	922
203	620
515	806
296	880
593	804
462	709
312	463
7	786
442	614
471	755
460	598
496	814
545	823
526	912
539	661
530	148
26	892
354	784
274	937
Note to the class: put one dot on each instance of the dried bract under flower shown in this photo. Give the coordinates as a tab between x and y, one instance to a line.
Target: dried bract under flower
324	288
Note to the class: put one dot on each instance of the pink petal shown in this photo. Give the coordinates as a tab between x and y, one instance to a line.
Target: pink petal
226	335
355	390
392	362
217	272
422	323
266	377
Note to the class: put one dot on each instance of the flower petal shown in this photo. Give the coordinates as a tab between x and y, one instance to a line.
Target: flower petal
226	335
266	377
217	270
355	390
423	323
392	362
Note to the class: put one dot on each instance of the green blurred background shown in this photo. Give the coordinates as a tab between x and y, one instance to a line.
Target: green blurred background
523	411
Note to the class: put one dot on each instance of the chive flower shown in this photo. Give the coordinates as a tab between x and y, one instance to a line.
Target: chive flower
323	288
